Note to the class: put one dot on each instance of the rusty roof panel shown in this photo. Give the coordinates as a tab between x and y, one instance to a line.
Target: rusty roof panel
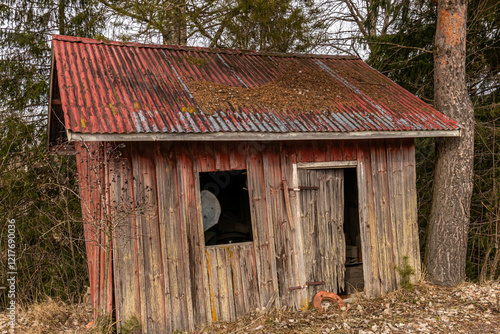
112	87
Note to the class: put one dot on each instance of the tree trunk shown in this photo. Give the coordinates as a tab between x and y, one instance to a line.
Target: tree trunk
176	31
452	189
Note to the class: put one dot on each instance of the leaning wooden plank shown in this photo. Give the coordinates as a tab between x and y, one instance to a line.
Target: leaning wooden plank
307	226
287	205
295	254
270	163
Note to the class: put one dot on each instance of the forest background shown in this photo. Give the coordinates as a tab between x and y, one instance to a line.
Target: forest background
39	191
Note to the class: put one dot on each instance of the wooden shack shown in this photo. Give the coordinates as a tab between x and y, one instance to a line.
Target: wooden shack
310	160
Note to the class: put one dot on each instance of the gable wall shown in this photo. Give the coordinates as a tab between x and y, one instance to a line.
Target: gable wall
152	198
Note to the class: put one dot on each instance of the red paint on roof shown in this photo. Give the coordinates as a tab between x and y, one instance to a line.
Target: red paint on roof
114	87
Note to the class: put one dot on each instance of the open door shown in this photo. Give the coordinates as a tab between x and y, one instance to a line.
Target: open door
321	194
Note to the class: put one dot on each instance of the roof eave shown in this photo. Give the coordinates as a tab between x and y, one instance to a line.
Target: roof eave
253	136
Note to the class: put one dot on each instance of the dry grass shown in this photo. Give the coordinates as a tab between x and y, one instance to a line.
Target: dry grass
468	308
47	317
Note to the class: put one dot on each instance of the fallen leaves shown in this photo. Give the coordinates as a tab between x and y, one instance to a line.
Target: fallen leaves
298	89
468	308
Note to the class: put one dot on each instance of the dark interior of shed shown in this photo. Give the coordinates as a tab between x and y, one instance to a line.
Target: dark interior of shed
234	224
354	262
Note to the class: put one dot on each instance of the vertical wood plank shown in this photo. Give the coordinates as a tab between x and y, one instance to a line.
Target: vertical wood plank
147	227
304	151
382	216
237	156
222	156
191	243
396	189
127	301
368	228
410	208
350	150
235	262
249	265
336	150
264	246
224	308
168	215
154	273
270	162
211	255
206	157
384	220
320	151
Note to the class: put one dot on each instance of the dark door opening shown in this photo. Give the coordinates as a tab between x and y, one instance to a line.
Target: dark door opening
353	262
225	207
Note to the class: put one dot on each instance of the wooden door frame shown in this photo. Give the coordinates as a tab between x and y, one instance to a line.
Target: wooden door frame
361	197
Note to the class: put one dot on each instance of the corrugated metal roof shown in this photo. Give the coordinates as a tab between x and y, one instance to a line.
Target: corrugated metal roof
126	88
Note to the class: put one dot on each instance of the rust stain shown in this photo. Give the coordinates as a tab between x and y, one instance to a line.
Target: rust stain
450	24
250	92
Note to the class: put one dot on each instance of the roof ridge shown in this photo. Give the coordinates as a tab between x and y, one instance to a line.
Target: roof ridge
73	39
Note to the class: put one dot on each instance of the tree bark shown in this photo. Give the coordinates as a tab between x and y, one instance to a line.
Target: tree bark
452	189
176	31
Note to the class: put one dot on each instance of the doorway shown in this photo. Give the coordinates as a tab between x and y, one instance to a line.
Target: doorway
329	209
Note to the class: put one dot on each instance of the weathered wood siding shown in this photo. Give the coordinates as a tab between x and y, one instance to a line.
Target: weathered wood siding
164	274
388	212
92	177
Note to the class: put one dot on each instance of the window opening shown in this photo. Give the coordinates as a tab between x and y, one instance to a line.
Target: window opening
225	207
